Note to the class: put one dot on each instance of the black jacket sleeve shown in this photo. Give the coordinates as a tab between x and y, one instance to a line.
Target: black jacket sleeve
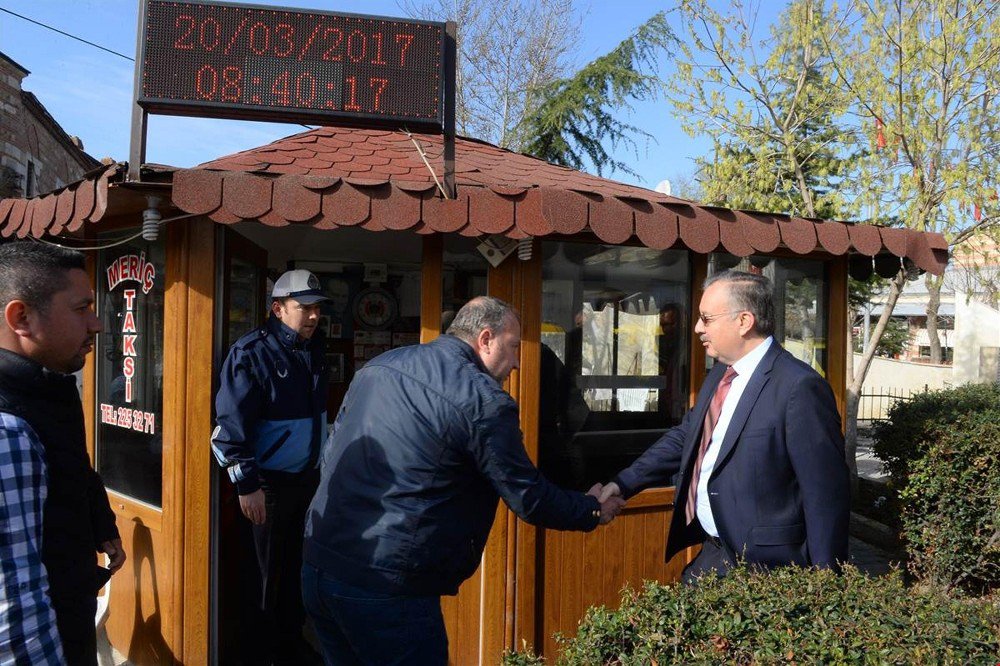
498	449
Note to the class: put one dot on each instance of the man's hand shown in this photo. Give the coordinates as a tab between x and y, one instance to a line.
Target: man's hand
253	507
611	502
116	552
607	492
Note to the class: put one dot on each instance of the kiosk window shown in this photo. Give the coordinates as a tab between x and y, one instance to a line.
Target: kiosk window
800	301
614	357
129	443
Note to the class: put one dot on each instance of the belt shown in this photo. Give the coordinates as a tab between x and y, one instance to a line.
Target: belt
715	541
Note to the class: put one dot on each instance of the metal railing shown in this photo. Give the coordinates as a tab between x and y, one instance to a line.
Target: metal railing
875	403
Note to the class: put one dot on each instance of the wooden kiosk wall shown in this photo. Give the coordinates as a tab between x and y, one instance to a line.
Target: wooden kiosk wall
159	601
531	584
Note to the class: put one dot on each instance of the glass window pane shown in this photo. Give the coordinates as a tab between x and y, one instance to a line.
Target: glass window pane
800	300
130	291
464	276
615	332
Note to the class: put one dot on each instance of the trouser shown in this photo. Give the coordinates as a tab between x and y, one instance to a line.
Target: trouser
714	556
358	627
75	621
278	542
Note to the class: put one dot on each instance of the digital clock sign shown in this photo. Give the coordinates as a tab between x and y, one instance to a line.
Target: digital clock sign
266	63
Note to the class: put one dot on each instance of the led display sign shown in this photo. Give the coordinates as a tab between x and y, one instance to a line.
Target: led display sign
266	63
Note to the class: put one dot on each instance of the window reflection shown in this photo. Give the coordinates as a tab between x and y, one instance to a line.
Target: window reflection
463	277
614	356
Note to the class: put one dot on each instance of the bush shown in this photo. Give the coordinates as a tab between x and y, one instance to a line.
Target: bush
951	506
790	615
911	425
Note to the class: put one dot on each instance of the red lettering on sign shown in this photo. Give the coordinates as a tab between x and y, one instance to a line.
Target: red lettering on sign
205	82
128	326
150	423
352	97
182	41
209	34
405	40
129	295
232	78
377	38
128	345
283	34
378	85
328	54
128	366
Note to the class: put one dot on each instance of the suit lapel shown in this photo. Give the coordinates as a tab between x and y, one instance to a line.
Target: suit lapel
746	404
698	415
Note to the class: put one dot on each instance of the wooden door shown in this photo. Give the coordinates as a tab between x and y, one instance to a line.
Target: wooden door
242	285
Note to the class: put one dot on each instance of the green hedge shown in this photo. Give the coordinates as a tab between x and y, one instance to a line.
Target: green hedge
943	451
911	425
951	506
790	615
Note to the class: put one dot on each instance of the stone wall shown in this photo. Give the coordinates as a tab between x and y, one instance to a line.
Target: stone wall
31	139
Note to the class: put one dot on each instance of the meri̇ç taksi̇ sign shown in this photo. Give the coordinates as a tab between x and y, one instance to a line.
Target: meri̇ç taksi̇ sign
136	277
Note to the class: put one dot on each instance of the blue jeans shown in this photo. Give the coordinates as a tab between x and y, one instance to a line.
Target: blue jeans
359	627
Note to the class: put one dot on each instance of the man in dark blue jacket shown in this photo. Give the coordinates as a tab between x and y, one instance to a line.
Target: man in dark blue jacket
271	420
425	444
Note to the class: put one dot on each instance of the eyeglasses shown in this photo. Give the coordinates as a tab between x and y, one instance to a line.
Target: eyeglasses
707	319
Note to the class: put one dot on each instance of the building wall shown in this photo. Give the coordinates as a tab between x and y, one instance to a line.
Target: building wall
888	376
30	139
977	335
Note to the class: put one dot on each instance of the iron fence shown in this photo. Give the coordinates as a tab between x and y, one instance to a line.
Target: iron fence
875	403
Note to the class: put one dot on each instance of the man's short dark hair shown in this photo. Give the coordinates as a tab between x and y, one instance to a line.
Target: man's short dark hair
34	272
481	313
750	293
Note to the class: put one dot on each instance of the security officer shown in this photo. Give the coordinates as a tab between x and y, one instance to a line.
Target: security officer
270	422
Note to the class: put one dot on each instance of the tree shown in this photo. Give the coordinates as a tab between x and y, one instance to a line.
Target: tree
507	52
770	108
577	115
924	76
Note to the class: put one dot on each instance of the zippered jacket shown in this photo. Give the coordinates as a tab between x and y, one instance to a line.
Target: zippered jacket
270	411
425	444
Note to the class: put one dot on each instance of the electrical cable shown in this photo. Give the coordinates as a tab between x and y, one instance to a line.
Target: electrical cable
61	32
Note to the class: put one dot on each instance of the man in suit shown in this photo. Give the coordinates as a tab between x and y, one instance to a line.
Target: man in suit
760	458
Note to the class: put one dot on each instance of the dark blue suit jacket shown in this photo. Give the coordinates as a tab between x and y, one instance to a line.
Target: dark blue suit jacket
780	490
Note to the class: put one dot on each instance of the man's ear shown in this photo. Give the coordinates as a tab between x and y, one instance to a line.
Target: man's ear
747	322
15	315
483	339
276	308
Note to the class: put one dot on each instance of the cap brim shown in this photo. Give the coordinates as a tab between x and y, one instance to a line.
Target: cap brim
304	299
309	300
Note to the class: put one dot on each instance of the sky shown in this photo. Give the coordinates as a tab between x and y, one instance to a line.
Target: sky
89	91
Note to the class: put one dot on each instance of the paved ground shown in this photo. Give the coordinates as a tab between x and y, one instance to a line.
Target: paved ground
868	558
869	467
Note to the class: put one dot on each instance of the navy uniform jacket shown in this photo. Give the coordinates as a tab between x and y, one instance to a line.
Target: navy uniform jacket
425	444
271	406
780	490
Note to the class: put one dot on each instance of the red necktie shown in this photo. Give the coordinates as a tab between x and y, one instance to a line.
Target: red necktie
711	419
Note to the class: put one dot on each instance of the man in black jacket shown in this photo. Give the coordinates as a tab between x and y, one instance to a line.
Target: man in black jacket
48	328
425	444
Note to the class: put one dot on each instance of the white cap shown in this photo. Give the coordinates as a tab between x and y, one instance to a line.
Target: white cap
299	284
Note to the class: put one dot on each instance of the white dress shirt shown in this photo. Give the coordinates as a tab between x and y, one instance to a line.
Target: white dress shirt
744	368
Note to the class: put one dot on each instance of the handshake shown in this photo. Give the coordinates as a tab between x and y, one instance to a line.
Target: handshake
610	497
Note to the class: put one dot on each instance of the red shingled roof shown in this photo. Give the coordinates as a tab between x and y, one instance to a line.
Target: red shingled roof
375	179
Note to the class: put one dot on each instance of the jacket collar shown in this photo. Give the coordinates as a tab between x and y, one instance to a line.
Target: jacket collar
462	348
286	336
24	375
